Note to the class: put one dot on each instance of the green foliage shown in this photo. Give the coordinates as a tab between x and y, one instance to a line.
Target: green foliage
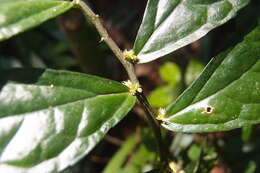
251	167
194	152
170	73
50	119
19	16
140	158
225	96
170	25
56	117
247	133
193	71
163	95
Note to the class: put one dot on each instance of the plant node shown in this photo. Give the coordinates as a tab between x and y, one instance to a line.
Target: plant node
95	17
51	86
161	114
133	87
129	55
175	167
102	39
76	1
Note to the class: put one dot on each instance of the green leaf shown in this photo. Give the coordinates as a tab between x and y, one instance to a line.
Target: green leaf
119	158
166	93
171	24
132	157
138	161
193	71
170	72
19	16
194	152
163	96
246	133
225	96
50	119
251	168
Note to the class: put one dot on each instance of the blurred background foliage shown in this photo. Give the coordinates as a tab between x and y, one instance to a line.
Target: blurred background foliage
70	42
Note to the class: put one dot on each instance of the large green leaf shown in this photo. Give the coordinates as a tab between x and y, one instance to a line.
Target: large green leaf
17	16
225	96
171	24
50	119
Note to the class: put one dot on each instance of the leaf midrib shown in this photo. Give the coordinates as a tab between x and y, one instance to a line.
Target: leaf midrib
67	103
217	92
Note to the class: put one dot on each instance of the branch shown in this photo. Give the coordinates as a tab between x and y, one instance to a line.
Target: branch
129	67
108	40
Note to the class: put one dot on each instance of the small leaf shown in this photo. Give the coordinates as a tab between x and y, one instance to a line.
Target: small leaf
251	167
246	133
50	119
121	155
163	96
170	72
194	152
132	157
19	16
171	24
193	71
225	96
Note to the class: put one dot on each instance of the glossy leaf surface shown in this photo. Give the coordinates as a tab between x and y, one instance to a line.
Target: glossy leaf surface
50	119
19	16
225	96
171	24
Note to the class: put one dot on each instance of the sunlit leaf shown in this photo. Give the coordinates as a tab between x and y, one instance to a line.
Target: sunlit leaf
19	16
171	24
50	119
225	96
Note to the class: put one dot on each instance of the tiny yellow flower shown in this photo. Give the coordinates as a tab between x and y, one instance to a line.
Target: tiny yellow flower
133	87
161	114
130	56
175	168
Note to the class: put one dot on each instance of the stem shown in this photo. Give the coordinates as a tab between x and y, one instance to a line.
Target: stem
155	126
108	40
129	67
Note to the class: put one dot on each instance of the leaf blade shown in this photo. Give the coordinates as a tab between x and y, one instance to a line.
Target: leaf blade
170	25
72	119
226	95
28	15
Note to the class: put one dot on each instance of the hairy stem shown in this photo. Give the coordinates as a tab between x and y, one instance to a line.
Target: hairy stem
108	40
129	67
